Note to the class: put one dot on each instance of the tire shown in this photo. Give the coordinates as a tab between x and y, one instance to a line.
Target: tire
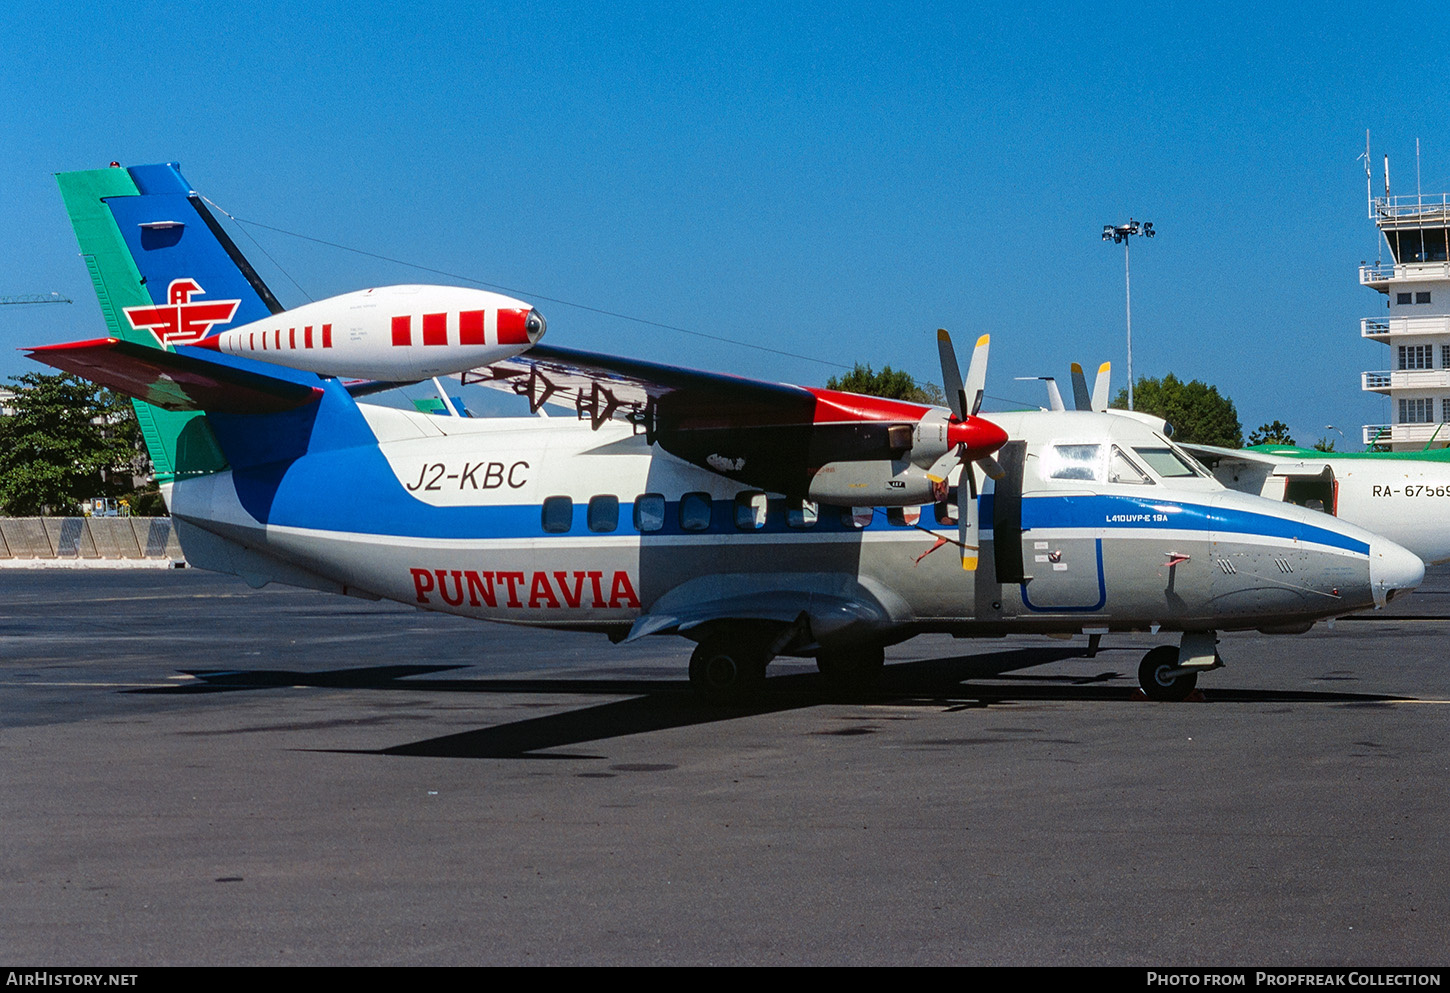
1153	678
727	669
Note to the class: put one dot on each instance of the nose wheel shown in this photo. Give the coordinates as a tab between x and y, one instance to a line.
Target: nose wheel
1161	677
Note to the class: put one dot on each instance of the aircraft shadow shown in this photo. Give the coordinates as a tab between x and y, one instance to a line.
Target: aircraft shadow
954	682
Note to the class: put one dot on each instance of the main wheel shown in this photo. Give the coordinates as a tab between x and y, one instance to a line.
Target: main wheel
726	669
853	670
1155	679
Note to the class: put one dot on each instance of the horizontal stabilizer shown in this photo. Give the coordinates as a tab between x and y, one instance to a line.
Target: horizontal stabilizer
173	380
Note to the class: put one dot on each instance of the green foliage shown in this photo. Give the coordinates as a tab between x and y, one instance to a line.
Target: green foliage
1324	445
1276	433
1197	411
888	382
67	441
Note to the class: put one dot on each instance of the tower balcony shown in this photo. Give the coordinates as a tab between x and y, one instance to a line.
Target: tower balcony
1381	328
1406	434
1380	275
1405	379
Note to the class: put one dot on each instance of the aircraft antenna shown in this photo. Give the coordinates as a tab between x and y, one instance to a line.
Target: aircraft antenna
517	292
36	298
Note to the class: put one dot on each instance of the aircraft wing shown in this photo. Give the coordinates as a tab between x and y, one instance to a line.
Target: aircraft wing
770	435
607	387
174	380
1214	456
1288	463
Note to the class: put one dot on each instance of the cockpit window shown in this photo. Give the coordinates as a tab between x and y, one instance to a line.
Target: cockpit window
1073	462
1122	470
1166	462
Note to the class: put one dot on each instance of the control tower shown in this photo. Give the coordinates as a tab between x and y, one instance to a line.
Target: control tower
1416	284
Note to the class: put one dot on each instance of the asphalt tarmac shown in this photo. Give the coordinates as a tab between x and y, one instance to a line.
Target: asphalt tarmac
193	772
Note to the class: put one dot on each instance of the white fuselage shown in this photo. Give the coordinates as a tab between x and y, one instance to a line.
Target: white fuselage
552	522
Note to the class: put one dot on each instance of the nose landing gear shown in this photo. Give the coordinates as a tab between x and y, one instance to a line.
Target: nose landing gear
1171	674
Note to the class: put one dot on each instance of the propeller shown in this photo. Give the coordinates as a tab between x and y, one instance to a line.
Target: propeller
974	438
1100	388
1098	401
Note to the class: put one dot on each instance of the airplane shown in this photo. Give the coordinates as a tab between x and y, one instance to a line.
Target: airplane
1403	496
755	519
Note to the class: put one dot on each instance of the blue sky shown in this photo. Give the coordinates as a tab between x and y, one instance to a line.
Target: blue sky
830	180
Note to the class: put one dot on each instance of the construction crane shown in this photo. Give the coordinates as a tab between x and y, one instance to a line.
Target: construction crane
36	298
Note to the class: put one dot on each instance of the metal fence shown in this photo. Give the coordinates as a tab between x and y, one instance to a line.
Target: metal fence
101	538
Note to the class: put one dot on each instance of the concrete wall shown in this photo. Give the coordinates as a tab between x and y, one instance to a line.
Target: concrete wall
98	538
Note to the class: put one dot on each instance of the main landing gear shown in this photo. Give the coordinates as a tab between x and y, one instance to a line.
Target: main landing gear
728	665
1171	674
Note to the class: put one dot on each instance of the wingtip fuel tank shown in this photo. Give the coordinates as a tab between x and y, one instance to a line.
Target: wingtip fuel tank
407	332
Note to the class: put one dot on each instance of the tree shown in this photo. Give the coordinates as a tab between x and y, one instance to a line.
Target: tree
1276	433
888	382
68	440
1197	411
1324	445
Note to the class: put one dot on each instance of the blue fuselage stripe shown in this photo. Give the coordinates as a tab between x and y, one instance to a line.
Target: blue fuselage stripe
353	490
1136	513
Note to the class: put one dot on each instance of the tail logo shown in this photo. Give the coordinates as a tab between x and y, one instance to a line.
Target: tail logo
182	322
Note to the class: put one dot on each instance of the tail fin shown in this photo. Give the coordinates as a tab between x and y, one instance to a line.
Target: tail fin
152	249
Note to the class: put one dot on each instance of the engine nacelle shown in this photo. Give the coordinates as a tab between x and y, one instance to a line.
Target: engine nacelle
876	483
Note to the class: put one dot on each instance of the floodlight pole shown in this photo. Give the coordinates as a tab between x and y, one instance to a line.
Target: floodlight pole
1120	234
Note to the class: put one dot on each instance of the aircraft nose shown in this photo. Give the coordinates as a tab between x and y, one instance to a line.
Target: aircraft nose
1392	570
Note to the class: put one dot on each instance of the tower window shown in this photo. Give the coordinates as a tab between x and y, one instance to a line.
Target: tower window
1422	297
1416	357
1417	410
1403	297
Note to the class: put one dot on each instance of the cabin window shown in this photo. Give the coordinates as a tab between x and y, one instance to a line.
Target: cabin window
1402	298
1416	357
695	511
1422	297
1122	470
750	507
801	514
649	512
903	517
857	517
1073	462
558	514
1166	462
603	513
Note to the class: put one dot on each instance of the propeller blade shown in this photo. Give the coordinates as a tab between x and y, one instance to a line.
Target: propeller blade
966	498
1080	398
1100	388
976	382
992	467
951	375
